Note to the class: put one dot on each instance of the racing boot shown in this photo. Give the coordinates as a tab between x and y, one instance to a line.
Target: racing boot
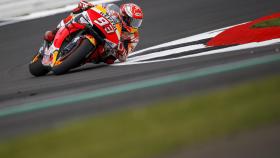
48	38
49	35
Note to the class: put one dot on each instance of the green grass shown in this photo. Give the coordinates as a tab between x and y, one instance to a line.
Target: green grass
268	23
157	129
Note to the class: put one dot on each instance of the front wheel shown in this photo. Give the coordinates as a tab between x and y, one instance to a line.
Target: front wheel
36	68
75	58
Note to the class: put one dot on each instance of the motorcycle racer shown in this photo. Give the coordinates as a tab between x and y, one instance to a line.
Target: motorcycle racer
129	15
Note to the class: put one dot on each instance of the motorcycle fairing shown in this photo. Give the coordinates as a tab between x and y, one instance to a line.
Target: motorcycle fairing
96	16
65	31
104	22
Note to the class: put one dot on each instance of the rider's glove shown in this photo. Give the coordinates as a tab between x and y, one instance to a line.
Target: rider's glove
82	6
121	53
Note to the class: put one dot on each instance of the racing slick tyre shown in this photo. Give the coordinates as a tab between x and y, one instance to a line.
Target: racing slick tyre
75	59
36	68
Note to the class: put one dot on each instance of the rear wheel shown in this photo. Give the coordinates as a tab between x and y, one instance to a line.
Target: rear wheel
74	59
36	68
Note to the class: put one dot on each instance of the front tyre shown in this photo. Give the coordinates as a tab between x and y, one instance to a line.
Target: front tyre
36	68
76	57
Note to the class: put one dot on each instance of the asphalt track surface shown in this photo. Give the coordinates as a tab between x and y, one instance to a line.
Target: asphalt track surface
164	21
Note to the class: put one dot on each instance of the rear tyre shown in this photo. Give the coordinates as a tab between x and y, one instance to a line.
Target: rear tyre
76	57
36	68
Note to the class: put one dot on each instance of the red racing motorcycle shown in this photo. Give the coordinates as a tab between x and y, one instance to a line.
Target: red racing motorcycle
92	36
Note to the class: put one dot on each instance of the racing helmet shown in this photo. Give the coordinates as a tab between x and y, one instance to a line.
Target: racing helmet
131	16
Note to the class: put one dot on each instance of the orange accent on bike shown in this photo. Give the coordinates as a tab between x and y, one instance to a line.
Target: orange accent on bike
91	39
54	59
54	56
119	29
58	63
36	58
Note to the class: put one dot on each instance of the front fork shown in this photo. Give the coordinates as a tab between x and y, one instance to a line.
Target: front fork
41	53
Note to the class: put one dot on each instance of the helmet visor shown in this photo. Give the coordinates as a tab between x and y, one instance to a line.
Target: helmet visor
136	23
131	22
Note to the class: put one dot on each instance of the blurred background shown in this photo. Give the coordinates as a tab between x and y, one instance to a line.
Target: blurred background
12	8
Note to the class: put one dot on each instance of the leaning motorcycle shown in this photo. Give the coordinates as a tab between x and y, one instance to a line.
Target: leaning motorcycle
90	37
